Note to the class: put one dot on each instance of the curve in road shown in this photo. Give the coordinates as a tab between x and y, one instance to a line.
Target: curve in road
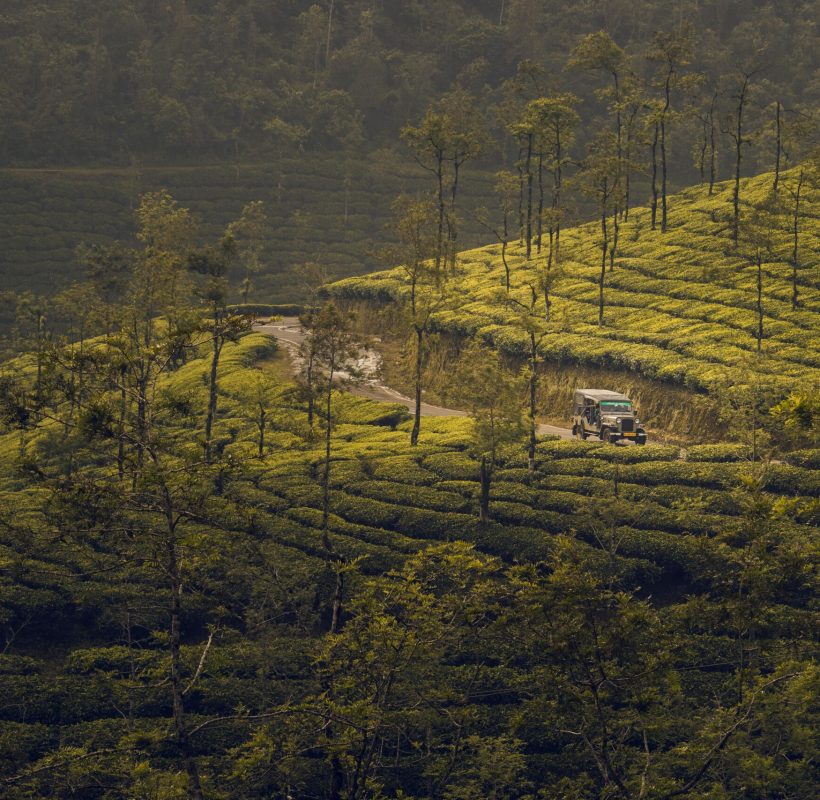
288	332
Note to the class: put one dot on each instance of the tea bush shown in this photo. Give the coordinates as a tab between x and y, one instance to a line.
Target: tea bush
680	307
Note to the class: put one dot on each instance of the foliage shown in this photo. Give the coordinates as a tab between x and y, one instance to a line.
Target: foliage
432	666
680	308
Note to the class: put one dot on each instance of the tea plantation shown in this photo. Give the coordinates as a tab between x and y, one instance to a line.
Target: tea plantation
680	307
318	210
84	700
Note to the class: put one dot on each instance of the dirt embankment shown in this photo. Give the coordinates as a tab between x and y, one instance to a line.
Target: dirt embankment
671	412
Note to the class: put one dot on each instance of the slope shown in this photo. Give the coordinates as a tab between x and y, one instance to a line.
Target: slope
328	210
84	699
680	307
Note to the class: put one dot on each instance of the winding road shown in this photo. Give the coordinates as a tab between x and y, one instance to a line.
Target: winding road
288	332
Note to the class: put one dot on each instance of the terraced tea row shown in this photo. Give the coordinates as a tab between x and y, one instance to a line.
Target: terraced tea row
680	306
318	210
644	516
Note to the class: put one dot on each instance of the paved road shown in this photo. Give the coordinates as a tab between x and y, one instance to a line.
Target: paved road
289	333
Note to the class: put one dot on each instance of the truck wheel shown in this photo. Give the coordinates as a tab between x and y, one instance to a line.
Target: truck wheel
582	434
604	434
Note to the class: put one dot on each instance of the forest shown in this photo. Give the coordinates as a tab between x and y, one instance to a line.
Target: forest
231	570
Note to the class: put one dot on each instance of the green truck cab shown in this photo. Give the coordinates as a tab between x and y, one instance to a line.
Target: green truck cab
607	415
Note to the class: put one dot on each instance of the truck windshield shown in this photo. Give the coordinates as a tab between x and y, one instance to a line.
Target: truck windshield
616	406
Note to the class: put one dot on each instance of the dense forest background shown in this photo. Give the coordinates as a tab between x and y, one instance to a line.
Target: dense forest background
189	80
301	105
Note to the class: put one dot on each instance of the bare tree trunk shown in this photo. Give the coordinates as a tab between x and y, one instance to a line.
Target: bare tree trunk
142	420
738	137
485	476
655	177
539	221
533	406
521	227
778	147
759	300
311	399
414	435
212	388
326	467
712	145
628	166
121	426
613	250
338	591
795	238
338	594
262	423
329	32
504	244
452	228
441	211
619	141
185	755
529	196
663	155
604	249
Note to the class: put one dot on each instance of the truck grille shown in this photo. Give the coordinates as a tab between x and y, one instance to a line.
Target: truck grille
627	425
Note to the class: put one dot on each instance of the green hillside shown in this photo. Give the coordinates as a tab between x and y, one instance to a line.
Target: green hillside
680	306
650	547
328	210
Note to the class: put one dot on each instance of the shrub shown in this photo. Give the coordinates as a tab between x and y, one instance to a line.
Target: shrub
409	495
786	479
457	466
718	452
807	459
523	515
634	455
403	468
567	448
365	510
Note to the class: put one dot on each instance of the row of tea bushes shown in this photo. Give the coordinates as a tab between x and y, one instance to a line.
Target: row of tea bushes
318	210
680	307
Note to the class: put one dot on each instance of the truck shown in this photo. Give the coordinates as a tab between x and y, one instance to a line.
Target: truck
608	415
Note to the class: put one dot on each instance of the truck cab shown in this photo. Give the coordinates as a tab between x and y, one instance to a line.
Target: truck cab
608	415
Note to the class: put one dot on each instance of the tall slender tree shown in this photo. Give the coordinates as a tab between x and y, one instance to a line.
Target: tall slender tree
493	398
336	350
414	224
450	134
599	182
672	51
740	138
599	52
561	120
534	325
705	150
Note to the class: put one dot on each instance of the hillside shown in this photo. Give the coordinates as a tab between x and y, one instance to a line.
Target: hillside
299	497
680	307
650	548
331	211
